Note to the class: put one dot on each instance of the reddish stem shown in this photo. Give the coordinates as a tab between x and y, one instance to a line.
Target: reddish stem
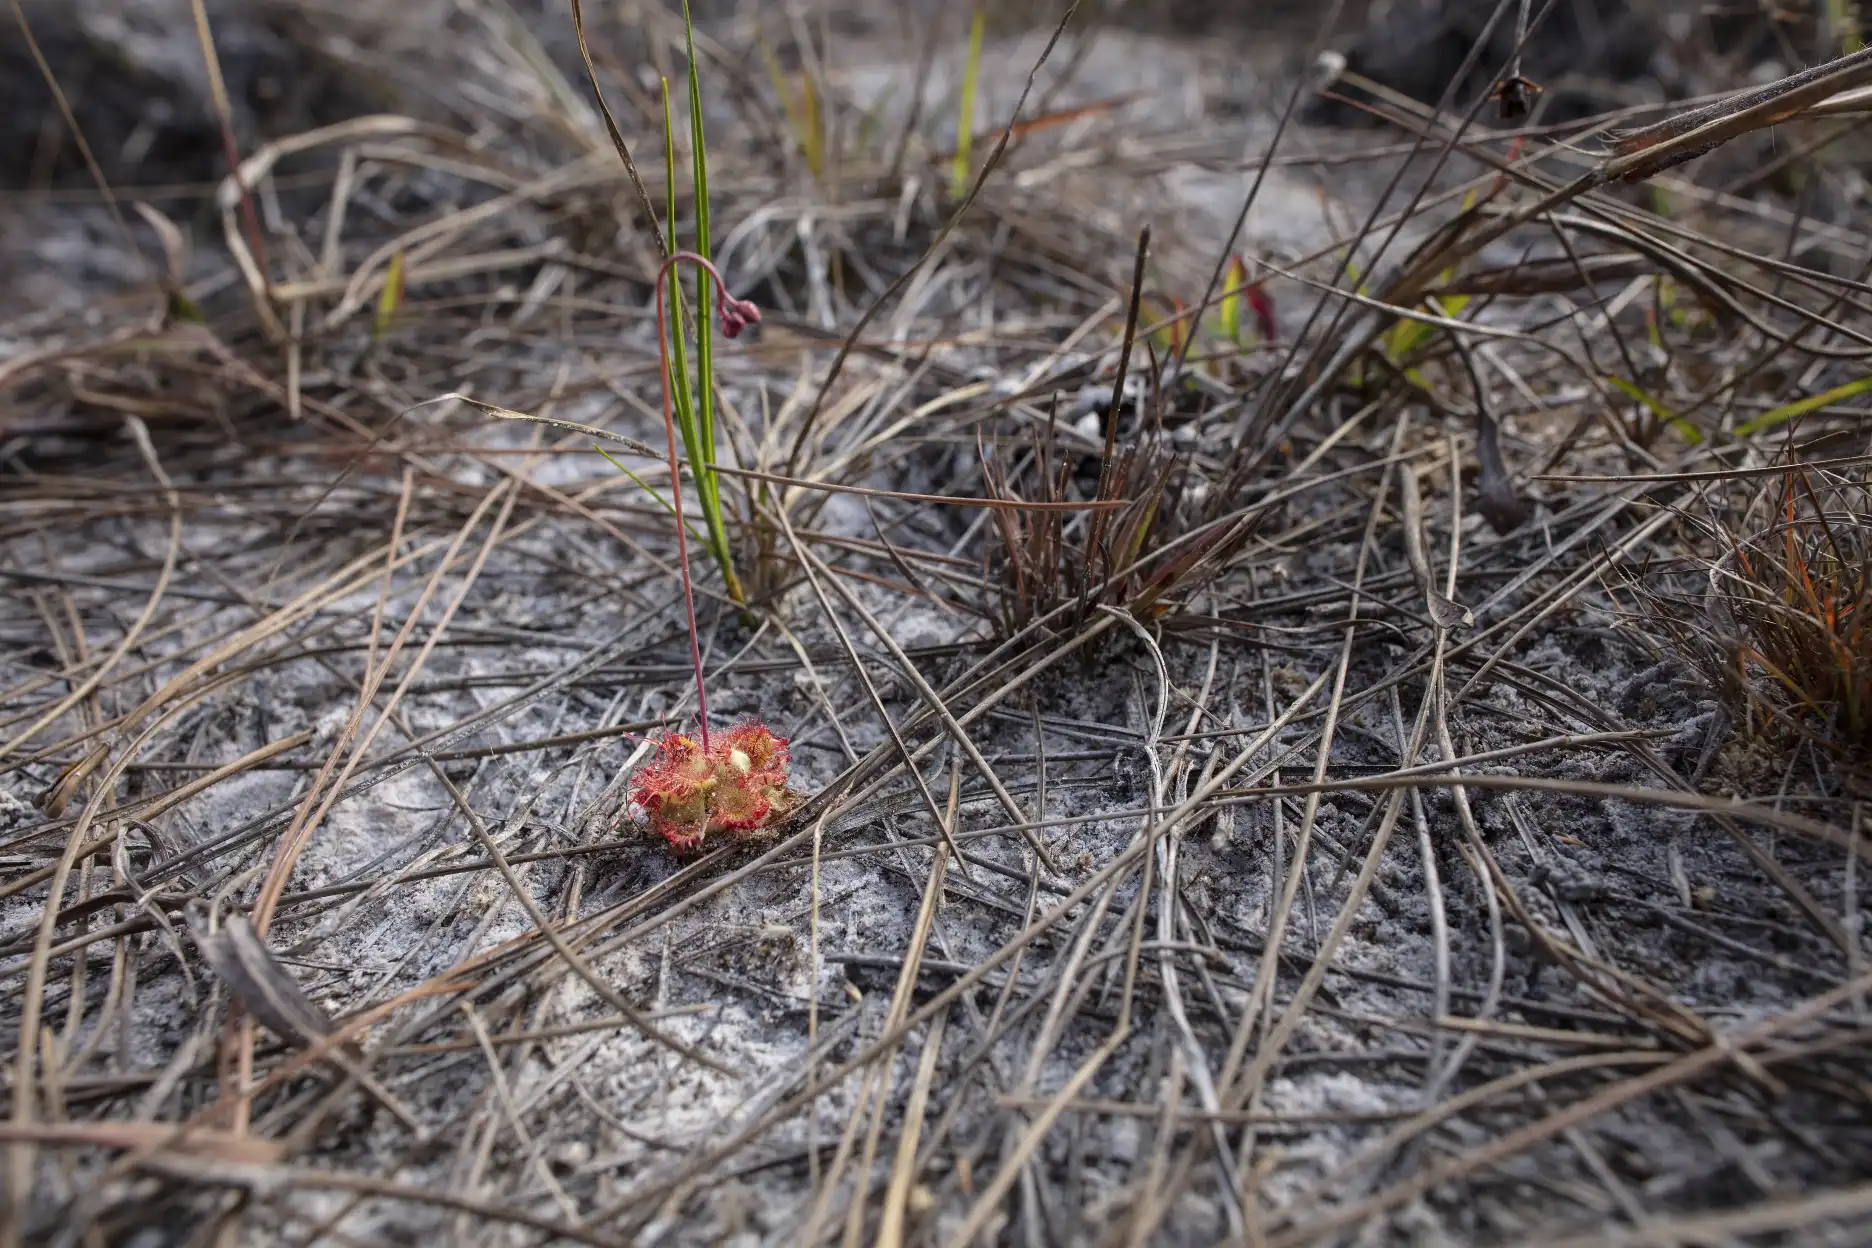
736	315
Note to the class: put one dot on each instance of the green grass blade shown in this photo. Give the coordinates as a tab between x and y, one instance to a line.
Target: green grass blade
693	412
1233	300
1843	18
965	119
705	293
708	483
647	488
390	299
815	127
802	114
1684	428
1407	335
1800	407
681	400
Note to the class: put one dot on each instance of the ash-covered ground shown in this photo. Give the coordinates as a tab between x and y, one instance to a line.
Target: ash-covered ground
1310	847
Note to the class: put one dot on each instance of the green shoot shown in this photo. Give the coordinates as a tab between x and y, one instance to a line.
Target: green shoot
1234	299
709	486
390	299
802	112
692	397
965	118
1407	335
1684	428
647	488
1843	22
1169	335
1800	407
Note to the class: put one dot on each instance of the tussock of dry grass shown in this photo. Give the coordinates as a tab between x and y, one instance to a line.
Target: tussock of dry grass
1775	615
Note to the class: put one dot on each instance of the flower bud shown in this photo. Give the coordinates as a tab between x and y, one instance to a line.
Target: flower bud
737	315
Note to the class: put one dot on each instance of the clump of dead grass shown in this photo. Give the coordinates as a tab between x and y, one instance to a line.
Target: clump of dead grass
1148	537
1146	552
1775	618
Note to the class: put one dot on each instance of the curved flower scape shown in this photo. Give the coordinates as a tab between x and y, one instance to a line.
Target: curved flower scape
735	784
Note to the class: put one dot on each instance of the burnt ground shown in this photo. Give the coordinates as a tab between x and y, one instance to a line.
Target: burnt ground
1338	842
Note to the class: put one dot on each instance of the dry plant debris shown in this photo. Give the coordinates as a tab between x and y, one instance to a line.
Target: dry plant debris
1386	776
1775	617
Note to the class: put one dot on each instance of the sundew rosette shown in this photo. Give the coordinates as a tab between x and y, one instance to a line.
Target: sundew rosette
734	785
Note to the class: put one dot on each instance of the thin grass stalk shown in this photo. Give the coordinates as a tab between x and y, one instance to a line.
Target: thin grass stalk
676	378
708	485
1095	542
965	107
693	398
735	314
611	128
224	115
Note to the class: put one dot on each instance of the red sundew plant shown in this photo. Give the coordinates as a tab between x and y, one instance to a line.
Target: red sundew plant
736	782
733	785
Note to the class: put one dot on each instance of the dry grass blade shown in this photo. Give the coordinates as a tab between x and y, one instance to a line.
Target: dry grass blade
1647	152
616	135
264	987
153	1138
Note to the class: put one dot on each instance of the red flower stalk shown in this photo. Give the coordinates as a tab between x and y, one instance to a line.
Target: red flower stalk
737	781
736	315
735	785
